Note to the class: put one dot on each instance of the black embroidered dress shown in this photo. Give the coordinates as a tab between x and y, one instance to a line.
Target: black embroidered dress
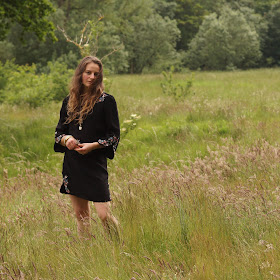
86	176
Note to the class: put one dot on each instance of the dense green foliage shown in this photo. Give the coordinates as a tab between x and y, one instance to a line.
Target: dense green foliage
148	35
21	84
31	15
220	44
195	185
189	15
271	49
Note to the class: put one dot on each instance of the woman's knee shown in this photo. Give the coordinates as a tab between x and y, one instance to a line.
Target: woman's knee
102	211
80	206
103	215
81	213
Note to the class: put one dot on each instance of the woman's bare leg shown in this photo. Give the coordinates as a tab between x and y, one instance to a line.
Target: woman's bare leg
82	212
109	222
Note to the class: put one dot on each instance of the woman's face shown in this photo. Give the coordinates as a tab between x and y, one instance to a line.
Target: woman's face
90	73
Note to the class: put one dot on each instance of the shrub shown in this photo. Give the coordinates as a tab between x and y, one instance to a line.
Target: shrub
177	90
21	84
58	78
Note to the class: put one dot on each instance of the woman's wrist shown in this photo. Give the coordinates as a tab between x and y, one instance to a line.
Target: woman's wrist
96	145
65	139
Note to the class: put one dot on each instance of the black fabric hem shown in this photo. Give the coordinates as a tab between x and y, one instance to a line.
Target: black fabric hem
86	198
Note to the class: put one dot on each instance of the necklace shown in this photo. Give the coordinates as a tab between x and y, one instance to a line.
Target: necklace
80	120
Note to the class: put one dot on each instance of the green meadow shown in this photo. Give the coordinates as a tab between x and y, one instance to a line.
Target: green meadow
195	185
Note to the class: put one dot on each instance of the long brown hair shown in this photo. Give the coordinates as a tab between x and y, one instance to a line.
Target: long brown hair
81	102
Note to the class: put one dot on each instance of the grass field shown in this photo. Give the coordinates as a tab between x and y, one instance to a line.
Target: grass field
195	186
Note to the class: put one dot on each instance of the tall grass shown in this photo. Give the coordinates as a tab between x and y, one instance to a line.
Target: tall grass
26	138
216	218
195	187
242	106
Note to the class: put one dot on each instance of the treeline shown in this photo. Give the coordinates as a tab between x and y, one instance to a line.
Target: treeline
149	35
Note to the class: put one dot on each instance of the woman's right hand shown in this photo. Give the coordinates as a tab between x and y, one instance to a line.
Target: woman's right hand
71	143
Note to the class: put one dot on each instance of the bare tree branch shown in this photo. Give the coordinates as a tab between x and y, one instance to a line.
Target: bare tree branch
83	31
67	37
87	35
114	50
88	38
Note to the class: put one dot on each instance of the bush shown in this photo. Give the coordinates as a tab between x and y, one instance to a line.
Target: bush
58	78
176	90
21	84
5	71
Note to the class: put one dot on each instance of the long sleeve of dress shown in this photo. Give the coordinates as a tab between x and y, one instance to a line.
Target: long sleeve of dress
61	128
112	137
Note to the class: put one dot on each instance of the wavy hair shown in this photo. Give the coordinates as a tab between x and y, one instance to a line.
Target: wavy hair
81	102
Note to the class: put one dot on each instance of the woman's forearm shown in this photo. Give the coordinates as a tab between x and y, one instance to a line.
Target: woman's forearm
96	145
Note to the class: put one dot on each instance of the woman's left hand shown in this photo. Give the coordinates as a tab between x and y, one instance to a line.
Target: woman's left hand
85	148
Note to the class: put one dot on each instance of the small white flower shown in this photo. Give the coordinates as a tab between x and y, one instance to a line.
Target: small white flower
127	121
123	129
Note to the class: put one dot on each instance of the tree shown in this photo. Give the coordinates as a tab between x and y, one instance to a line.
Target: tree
112	49
30	49
253	11
271	48
224	42
153	43
189	15
30	14
165	8
98	39
257	22
259	6
263	6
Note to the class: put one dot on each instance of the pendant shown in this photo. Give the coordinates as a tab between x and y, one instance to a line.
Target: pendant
80	127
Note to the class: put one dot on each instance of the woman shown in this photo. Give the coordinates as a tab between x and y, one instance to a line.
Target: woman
88	133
